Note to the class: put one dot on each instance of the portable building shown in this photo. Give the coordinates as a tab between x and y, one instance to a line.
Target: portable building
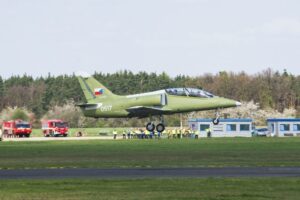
230	127
282	127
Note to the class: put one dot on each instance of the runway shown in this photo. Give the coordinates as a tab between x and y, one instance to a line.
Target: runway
151	173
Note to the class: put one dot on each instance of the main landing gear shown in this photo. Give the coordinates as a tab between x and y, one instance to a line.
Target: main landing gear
159	127
151	127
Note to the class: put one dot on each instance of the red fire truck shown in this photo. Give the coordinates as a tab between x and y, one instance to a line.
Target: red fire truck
54	128
17	128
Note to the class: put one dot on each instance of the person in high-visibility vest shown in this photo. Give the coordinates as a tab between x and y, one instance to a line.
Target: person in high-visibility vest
178	131
159	134
181	133
208	132
151	134
142	133
174	133
169	132
124	134
131	133
128	134
115	133
197	134
190	133
155	134
147	134
138	134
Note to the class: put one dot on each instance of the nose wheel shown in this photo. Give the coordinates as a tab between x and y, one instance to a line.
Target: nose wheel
215	121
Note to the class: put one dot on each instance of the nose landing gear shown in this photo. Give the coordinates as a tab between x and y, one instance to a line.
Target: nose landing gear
216	120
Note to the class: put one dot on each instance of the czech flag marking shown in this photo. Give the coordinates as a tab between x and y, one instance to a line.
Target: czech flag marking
98	91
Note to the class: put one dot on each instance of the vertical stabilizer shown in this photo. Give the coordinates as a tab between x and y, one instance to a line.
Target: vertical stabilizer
93	89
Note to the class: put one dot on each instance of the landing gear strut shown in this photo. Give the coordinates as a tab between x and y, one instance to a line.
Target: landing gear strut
216	120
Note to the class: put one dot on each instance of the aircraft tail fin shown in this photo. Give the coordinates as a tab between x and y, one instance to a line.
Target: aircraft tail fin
93	89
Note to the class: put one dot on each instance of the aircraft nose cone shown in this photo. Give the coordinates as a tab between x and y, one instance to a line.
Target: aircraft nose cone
238	103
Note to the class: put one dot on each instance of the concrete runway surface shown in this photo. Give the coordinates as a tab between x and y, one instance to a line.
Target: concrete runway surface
151	173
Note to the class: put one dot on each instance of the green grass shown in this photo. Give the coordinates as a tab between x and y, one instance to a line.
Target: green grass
213	152
86	131
205	189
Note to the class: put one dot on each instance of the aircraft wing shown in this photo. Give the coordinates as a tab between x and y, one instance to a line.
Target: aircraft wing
145	111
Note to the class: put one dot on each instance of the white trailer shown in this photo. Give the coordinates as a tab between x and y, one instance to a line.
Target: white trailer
230	127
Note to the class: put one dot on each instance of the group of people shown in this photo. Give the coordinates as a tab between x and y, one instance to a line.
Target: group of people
7	134
183	133
138	134
171	133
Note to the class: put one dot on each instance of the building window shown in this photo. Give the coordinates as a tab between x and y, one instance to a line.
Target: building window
203	127
296	127
231	127
193	126
245	127
284	127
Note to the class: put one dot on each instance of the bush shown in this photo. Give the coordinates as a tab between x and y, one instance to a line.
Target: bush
20	114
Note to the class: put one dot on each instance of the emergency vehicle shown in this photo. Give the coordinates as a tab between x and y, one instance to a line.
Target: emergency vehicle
54	128
18	128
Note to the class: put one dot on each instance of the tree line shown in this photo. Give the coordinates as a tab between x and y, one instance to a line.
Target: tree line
270	89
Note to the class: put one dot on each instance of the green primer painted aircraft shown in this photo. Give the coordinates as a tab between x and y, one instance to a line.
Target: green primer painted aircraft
102	103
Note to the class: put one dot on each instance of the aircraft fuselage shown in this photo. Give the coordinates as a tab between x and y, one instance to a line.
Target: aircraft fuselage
168	104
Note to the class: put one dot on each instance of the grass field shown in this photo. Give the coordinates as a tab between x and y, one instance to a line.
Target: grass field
86	131
213	152
205	189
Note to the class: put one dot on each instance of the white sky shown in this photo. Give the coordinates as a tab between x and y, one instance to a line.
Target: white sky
176	36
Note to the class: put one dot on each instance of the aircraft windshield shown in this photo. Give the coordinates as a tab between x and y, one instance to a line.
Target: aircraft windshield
192	92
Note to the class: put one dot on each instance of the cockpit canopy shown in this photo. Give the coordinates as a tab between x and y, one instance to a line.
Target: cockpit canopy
191	92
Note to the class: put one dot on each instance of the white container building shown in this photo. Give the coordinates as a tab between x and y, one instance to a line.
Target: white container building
230	127
284	127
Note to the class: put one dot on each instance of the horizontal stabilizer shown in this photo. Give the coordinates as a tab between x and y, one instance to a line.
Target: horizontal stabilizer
89	106
83	74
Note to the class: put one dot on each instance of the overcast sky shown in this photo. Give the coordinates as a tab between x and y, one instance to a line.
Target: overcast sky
176	36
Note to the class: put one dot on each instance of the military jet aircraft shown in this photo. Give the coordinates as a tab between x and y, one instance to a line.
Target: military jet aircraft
102	103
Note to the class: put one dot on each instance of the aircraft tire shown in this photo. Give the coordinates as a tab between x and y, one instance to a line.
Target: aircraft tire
160	128
215	121
150	127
